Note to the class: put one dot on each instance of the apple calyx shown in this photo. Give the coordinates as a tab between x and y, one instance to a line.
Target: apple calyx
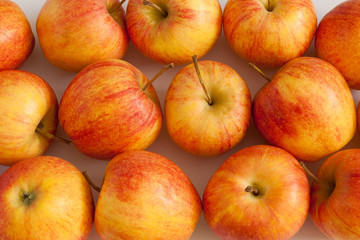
260	72
91	183
171	65
196	65
40	130
157	7
27	197
252	190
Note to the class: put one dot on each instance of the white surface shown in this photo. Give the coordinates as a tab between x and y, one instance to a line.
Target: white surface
198	169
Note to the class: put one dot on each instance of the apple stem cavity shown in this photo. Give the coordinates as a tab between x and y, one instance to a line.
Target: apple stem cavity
171	65
252	190
91	183
196	64
151	4
260	72
40	130
308	172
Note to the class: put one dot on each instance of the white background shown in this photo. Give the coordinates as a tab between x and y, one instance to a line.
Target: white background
198	169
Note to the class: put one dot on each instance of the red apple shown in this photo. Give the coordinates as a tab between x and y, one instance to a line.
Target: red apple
16	38
260	192
269	33
45	198
76	33
145	196
306	109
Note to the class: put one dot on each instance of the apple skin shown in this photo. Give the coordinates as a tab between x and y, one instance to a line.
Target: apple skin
105	111
26	100
191	27
306	109
335	200
280	209
16	38
200	128
269	38
145	196
75	33
61	205
337	40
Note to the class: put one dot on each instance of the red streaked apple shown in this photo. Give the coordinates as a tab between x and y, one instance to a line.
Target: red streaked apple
145	196
105	110
173	31
75	33
335	196
260	192
202	127
307	109
28	115
269	33
45	198
16	38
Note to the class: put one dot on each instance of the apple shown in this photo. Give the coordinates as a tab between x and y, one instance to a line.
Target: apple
16	38
334	196
336	40
307	109
260	192
175	30
105	110
45	198
269	33
145	196
28	116
209	122
75	33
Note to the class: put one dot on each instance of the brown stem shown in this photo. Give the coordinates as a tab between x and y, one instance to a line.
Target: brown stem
122	2
43	133
158	75
308	172
252	190
260	72
196	64
149	3
92	184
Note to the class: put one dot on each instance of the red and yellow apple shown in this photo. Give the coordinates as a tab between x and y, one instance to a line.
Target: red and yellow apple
269	33
45	198
105	111
75	33
16	38
173	31
306	109
145	196
28	113
260	192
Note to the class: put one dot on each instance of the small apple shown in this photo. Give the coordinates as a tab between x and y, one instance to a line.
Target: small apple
28	116
16	38
260	192
269	33
209	122
337	40
145	196
175	30
45	198
307	109
75	33
106	110
335	196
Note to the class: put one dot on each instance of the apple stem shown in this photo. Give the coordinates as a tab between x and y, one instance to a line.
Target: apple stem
171	65
196	64
148	3
260	72
91	183
252	190
122	2
302	164
43	133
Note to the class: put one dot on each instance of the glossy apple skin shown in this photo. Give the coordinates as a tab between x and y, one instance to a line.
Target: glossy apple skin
16	38
280	209
145	196
75	33
62	207
26	100
336	40
335	200
105	112
191	27
200	128
269	38
306	109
